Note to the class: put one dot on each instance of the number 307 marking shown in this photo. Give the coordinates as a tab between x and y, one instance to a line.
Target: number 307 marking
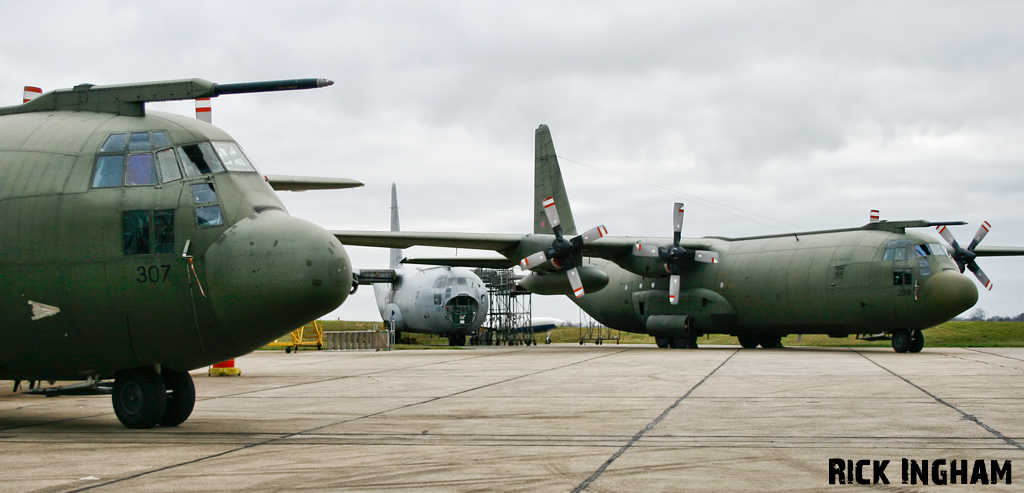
152	273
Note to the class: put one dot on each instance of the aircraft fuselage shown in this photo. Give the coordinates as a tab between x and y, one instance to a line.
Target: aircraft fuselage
839	283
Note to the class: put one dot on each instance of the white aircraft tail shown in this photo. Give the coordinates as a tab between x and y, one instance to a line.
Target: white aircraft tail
396	253
547	182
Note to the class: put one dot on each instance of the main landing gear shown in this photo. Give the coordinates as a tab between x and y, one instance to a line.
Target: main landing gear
751	341
685	342
143	398
907	341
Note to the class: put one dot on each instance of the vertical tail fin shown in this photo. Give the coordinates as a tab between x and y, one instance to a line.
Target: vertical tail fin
547	182
396	253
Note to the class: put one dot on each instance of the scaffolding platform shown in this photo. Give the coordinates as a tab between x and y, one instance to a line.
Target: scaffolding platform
509	310
309	335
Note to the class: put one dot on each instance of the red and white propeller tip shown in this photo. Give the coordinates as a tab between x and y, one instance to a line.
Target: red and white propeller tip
31	92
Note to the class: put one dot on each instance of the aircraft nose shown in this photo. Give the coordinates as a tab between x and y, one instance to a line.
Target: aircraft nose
948	294
272	273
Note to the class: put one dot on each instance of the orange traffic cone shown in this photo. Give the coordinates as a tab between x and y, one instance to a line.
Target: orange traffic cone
224	369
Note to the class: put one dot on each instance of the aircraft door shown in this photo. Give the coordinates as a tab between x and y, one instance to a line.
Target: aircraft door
152	281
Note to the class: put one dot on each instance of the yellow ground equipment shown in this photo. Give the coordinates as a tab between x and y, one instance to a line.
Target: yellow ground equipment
309	335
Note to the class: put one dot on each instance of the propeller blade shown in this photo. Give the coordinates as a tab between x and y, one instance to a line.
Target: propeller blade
642	250
982	231
706	256
533	261
948	236
551	211
677	223
575	282
980	275
673	290
594	234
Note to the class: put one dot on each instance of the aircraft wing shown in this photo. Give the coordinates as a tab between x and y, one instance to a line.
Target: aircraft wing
486	263
303	183
404	239
998	251
612	247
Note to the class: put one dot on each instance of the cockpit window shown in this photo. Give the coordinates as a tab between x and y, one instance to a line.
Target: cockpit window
905	250
199	159
168	166
461	281
232	157
139	141
108	171
160	140
140	170
114	143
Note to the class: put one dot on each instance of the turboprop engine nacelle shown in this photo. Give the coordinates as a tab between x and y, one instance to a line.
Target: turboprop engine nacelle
543	283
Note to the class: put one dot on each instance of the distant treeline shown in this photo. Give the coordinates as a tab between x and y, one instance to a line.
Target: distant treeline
978	315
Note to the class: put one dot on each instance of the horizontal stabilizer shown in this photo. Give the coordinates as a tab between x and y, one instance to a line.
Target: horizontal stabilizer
303	183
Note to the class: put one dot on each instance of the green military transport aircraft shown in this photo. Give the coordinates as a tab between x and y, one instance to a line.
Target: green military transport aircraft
138	245
881	280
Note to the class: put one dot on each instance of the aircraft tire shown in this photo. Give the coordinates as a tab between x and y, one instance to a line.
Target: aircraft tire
139	397
457	340
901	342
771	342
918	343
181	397
662	342
748	341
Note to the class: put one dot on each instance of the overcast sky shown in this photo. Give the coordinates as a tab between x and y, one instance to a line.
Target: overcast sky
763	117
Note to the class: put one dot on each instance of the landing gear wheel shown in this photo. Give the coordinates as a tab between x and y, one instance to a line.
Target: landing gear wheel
457	340
918	341
288	349
691	342
547	340
771	342
901	342
181	397
139	397
677	343
662	342
748	341
581	342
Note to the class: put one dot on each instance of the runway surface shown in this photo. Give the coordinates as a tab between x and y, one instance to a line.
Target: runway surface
549	418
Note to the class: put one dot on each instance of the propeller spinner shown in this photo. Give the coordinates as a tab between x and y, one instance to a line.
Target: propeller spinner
964	257
562	252
675	255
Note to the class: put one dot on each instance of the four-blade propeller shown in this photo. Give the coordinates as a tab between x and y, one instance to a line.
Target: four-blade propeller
675	255
562	252
964	257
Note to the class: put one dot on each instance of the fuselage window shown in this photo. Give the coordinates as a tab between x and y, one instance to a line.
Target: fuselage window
903	277
135	229
232	157
209	216
163	231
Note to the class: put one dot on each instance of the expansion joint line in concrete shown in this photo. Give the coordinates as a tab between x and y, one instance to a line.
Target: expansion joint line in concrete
291	435
650	426
963	415
993	354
